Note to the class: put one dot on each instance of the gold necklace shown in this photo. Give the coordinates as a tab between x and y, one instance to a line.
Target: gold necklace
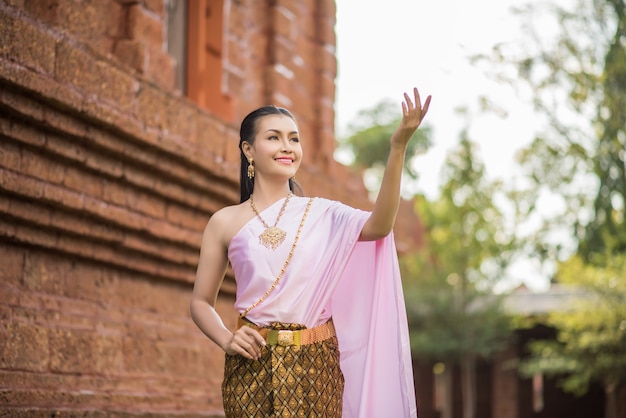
273	236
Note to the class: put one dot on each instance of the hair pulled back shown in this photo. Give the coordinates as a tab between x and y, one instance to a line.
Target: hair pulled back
248	131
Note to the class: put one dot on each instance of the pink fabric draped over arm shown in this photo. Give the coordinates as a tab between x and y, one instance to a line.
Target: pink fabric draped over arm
373	334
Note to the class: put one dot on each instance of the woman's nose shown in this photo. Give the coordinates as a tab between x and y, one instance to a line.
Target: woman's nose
286	146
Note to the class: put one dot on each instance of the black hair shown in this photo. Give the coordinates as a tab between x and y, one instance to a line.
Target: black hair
246	134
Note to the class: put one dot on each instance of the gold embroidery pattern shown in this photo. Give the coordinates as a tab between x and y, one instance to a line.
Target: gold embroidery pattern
288	381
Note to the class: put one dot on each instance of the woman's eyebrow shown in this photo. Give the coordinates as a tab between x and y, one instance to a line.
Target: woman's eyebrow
277	131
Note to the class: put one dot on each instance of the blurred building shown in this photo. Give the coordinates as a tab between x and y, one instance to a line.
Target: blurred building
501	391
118	140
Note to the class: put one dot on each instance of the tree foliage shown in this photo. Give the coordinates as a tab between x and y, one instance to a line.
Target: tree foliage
577	80
369	138
591	338
454	317
451	308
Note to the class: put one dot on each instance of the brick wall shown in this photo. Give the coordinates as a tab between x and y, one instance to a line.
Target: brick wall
107	178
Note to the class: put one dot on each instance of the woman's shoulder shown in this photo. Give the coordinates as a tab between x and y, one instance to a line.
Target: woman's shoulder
225	213
225	222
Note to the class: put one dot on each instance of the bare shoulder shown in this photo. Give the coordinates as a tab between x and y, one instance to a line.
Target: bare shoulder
226	222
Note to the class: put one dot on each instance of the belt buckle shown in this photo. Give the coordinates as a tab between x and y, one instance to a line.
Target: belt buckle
285	338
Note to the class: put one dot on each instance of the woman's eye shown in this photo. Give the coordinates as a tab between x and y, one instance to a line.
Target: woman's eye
295	139
273	137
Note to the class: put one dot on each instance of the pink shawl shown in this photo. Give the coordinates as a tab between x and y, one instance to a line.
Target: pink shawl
333	274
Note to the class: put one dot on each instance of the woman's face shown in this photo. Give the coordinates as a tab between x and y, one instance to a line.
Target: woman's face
276	149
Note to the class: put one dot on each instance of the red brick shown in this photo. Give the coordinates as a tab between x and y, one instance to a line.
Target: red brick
71	351
141	356
84	227
117	214
95	22
7	229
108	355
12	295
152	107
76	68
15	3
12	264
105	164
42	85
327	60
64	197
111	142
10	156
146	203
139	177
36	236
61	146
133	53
162	68
44	273
187	217
23	346
30	211
232	153
21	185
117	87
33	48
175	191
114	193
7	33
38	166
145	26
46	10
284	21
21	104
81	181
182	121
156	6
65	123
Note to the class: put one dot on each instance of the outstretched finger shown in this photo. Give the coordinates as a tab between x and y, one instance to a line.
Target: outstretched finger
409	103
426	105
418	101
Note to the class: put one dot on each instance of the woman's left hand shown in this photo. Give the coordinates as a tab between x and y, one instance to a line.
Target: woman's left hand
413	113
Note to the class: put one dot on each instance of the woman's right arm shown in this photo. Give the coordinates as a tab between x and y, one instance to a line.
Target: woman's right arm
209	276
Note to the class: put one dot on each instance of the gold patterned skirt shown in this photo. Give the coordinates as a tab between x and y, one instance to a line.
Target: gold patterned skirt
287	381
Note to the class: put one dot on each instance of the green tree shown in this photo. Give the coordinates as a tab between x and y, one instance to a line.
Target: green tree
578	83
454	317
577	80
368	141
591	339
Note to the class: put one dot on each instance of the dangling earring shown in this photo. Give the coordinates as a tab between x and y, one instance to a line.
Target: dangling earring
250	169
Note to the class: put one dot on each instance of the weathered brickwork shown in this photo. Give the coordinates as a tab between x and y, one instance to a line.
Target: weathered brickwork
107	178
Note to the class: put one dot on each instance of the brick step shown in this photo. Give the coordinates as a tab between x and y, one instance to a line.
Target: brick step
88	403
92	413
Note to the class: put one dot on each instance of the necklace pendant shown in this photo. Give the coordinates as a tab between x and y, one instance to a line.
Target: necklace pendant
272	237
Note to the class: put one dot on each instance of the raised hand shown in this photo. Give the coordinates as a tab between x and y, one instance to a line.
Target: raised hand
413	113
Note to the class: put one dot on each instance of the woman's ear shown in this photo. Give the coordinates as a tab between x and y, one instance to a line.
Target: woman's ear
246	148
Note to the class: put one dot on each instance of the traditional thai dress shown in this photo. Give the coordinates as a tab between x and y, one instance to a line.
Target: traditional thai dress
330	275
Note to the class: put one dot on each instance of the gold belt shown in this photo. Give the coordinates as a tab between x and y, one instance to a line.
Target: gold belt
296	338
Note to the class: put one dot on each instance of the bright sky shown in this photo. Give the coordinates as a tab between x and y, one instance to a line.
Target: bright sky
386	48
384	51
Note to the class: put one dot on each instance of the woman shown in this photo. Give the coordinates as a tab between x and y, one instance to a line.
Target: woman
318	287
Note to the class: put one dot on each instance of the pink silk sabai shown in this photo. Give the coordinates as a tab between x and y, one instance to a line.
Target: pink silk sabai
333	274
